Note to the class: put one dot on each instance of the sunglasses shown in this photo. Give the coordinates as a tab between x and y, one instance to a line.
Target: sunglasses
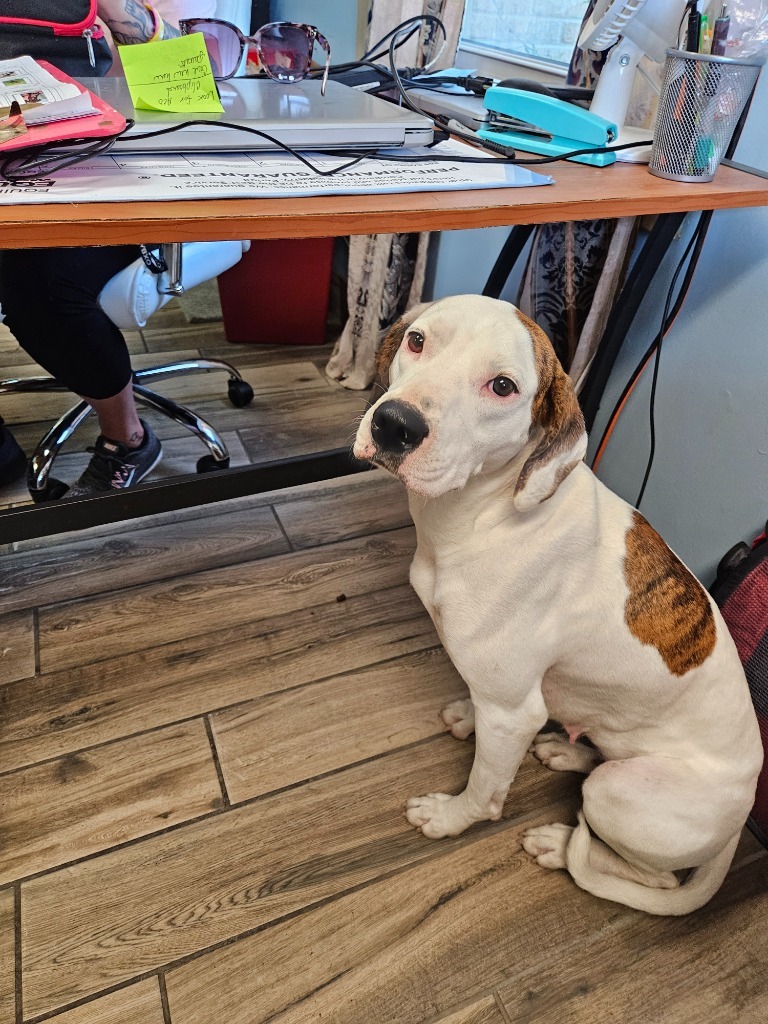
283	49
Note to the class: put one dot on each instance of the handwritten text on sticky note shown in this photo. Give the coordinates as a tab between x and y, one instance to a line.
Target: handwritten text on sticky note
171	74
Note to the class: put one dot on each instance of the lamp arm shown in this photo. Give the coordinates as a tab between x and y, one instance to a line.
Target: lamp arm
611	99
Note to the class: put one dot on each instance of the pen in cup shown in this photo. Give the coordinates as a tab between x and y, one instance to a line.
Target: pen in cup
693	30
720	32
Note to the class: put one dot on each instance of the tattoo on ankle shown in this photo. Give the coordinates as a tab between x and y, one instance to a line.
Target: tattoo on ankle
136	438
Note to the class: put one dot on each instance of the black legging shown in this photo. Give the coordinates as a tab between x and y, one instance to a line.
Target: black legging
50	301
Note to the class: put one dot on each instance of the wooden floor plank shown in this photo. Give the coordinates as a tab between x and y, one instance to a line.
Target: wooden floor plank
379	505
278	425
171	895
284	738
133	1004
84	631
65	711
484	1011
406	948
78	804
92	565
7	957
17	643
266	381
709	966
318	492
288	425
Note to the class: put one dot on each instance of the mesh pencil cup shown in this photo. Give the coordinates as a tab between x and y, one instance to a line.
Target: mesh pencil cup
701	101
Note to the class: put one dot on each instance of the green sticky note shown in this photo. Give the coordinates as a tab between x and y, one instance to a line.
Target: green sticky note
171	74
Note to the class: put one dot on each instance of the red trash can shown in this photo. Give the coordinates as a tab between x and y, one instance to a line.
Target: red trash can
278	293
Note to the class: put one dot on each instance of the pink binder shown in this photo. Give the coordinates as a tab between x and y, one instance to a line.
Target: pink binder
103	124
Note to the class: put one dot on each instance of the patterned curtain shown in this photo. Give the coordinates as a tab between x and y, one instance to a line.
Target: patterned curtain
386	272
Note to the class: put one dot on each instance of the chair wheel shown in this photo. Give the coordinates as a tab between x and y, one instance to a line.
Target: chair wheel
52	491
240	393
207	464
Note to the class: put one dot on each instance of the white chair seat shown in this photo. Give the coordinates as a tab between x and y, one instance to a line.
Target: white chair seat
131	297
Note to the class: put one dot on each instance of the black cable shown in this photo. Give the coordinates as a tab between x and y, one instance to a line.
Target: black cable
405	158
415	23
33	165
508	154
26	165
694	243
50	157
702	225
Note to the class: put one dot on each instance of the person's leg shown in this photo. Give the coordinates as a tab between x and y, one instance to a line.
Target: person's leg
50	301
118	417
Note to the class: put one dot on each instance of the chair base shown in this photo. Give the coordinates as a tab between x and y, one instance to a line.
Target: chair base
43	487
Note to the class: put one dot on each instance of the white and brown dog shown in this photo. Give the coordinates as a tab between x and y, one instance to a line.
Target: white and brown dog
556	600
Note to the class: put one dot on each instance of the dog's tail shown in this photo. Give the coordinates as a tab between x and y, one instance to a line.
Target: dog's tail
700	886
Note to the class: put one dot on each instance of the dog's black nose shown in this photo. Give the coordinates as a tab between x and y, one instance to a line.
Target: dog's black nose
398	428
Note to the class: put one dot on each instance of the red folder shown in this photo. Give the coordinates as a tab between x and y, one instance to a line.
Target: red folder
107	121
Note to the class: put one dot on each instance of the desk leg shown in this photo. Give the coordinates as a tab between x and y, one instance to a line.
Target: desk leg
625	309
506	260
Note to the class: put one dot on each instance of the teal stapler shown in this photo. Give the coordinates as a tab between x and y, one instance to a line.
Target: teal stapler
542	124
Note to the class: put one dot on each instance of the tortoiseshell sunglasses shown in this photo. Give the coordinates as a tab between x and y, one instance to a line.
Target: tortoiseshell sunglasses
284	49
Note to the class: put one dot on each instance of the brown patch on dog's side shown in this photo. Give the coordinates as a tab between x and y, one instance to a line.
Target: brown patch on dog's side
667	607
555	407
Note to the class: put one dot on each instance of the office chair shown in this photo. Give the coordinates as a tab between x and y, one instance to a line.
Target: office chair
129	299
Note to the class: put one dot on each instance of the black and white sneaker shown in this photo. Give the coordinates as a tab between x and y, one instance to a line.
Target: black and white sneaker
116	467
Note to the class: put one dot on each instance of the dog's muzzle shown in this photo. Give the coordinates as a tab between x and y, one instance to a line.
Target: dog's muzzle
397	428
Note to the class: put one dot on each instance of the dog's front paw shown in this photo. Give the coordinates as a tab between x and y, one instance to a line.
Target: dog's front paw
547	844
460	718
436	815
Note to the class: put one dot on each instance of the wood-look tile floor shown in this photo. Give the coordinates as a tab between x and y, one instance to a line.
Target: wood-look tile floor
210	722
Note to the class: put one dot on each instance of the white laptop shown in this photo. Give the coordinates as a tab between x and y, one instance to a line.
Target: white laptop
296	115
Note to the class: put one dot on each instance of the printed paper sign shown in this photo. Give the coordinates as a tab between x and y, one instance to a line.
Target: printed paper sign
171	74
265	175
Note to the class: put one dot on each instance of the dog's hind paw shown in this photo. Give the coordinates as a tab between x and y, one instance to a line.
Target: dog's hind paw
547	844
556	753
436	815
460	718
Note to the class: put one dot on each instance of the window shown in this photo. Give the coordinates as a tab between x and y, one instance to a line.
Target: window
538	32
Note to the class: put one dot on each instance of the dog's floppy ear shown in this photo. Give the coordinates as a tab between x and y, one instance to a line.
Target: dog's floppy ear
556	410
389	346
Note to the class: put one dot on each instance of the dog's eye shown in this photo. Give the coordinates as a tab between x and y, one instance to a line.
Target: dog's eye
503	386
415	341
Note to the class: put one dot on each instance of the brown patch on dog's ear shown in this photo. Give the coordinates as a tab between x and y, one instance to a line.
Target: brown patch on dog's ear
666	607
388	349
556	410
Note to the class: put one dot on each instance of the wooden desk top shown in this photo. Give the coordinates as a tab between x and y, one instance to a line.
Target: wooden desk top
580	193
